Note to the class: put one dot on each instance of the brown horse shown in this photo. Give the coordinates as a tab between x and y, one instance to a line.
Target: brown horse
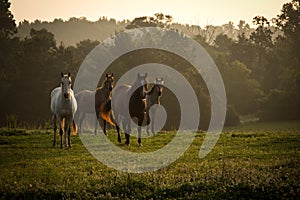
152	98
129	102
100	98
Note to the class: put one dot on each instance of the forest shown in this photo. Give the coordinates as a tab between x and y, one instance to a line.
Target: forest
260	66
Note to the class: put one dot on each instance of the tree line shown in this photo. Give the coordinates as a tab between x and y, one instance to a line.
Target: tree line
260	67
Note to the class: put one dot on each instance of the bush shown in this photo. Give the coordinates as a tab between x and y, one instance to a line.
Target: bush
232	118
279	105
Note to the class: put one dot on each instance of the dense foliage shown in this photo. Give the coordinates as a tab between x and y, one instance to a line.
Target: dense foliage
260	68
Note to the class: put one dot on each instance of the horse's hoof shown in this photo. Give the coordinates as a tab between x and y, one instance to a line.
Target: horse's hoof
127	144
119	140
140	144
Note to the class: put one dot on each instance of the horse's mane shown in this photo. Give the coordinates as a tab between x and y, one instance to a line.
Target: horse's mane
149	92
103	83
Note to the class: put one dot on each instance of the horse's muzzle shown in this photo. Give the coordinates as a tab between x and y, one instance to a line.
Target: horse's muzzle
66	95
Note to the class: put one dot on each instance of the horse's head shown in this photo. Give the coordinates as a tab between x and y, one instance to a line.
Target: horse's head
141	82
66	83
109	82
159	86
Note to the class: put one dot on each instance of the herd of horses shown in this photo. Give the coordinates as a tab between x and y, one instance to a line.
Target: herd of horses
111	105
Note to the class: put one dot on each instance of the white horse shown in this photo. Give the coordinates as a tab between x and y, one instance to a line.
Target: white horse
63	106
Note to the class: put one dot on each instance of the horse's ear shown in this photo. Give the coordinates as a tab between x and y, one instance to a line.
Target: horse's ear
69	74
62	74
112	75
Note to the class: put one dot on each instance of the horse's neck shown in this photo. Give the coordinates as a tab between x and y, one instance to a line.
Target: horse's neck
152	97
105	92
66	102
102	95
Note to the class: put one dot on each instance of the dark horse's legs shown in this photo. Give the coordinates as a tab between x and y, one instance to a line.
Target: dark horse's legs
126	123
118	129
61	134
140	122
68	129
96	124
104	127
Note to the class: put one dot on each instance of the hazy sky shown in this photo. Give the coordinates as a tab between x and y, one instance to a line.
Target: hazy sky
199	12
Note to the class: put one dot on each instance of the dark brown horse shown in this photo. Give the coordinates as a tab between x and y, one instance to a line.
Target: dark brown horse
129	102
152	98
98	101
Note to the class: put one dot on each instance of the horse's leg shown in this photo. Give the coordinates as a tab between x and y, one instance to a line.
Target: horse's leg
79	121
152	121
117	127
118	130
66	130
96	122
148	122
69	132
127	130
60	130
140	122
54	129
104	126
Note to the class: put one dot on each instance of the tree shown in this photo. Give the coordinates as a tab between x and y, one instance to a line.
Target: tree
159	20
7	23
223	43
289	20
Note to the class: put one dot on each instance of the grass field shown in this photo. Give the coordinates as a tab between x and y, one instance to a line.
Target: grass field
251	161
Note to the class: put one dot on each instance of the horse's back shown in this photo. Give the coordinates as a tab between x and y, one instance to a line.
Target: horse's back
85	101
120	90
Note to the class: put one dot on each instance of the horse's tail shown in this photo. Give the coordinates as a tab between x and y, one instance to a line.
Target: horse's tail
74	128
63	123
106	117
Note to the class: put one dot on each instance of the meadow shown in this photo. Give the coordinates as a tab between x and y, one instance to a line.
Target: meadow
250	161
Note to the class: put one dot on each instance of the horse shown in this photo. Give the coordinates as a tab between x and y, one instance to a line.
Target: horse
153	97
133	98
98	101
63	106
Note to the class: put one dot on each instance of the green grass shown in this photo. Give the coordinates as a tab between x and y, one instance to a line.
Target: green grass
251	161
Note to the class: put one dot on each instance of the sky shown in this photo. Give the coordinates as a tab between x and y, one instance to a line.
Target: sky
196	12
